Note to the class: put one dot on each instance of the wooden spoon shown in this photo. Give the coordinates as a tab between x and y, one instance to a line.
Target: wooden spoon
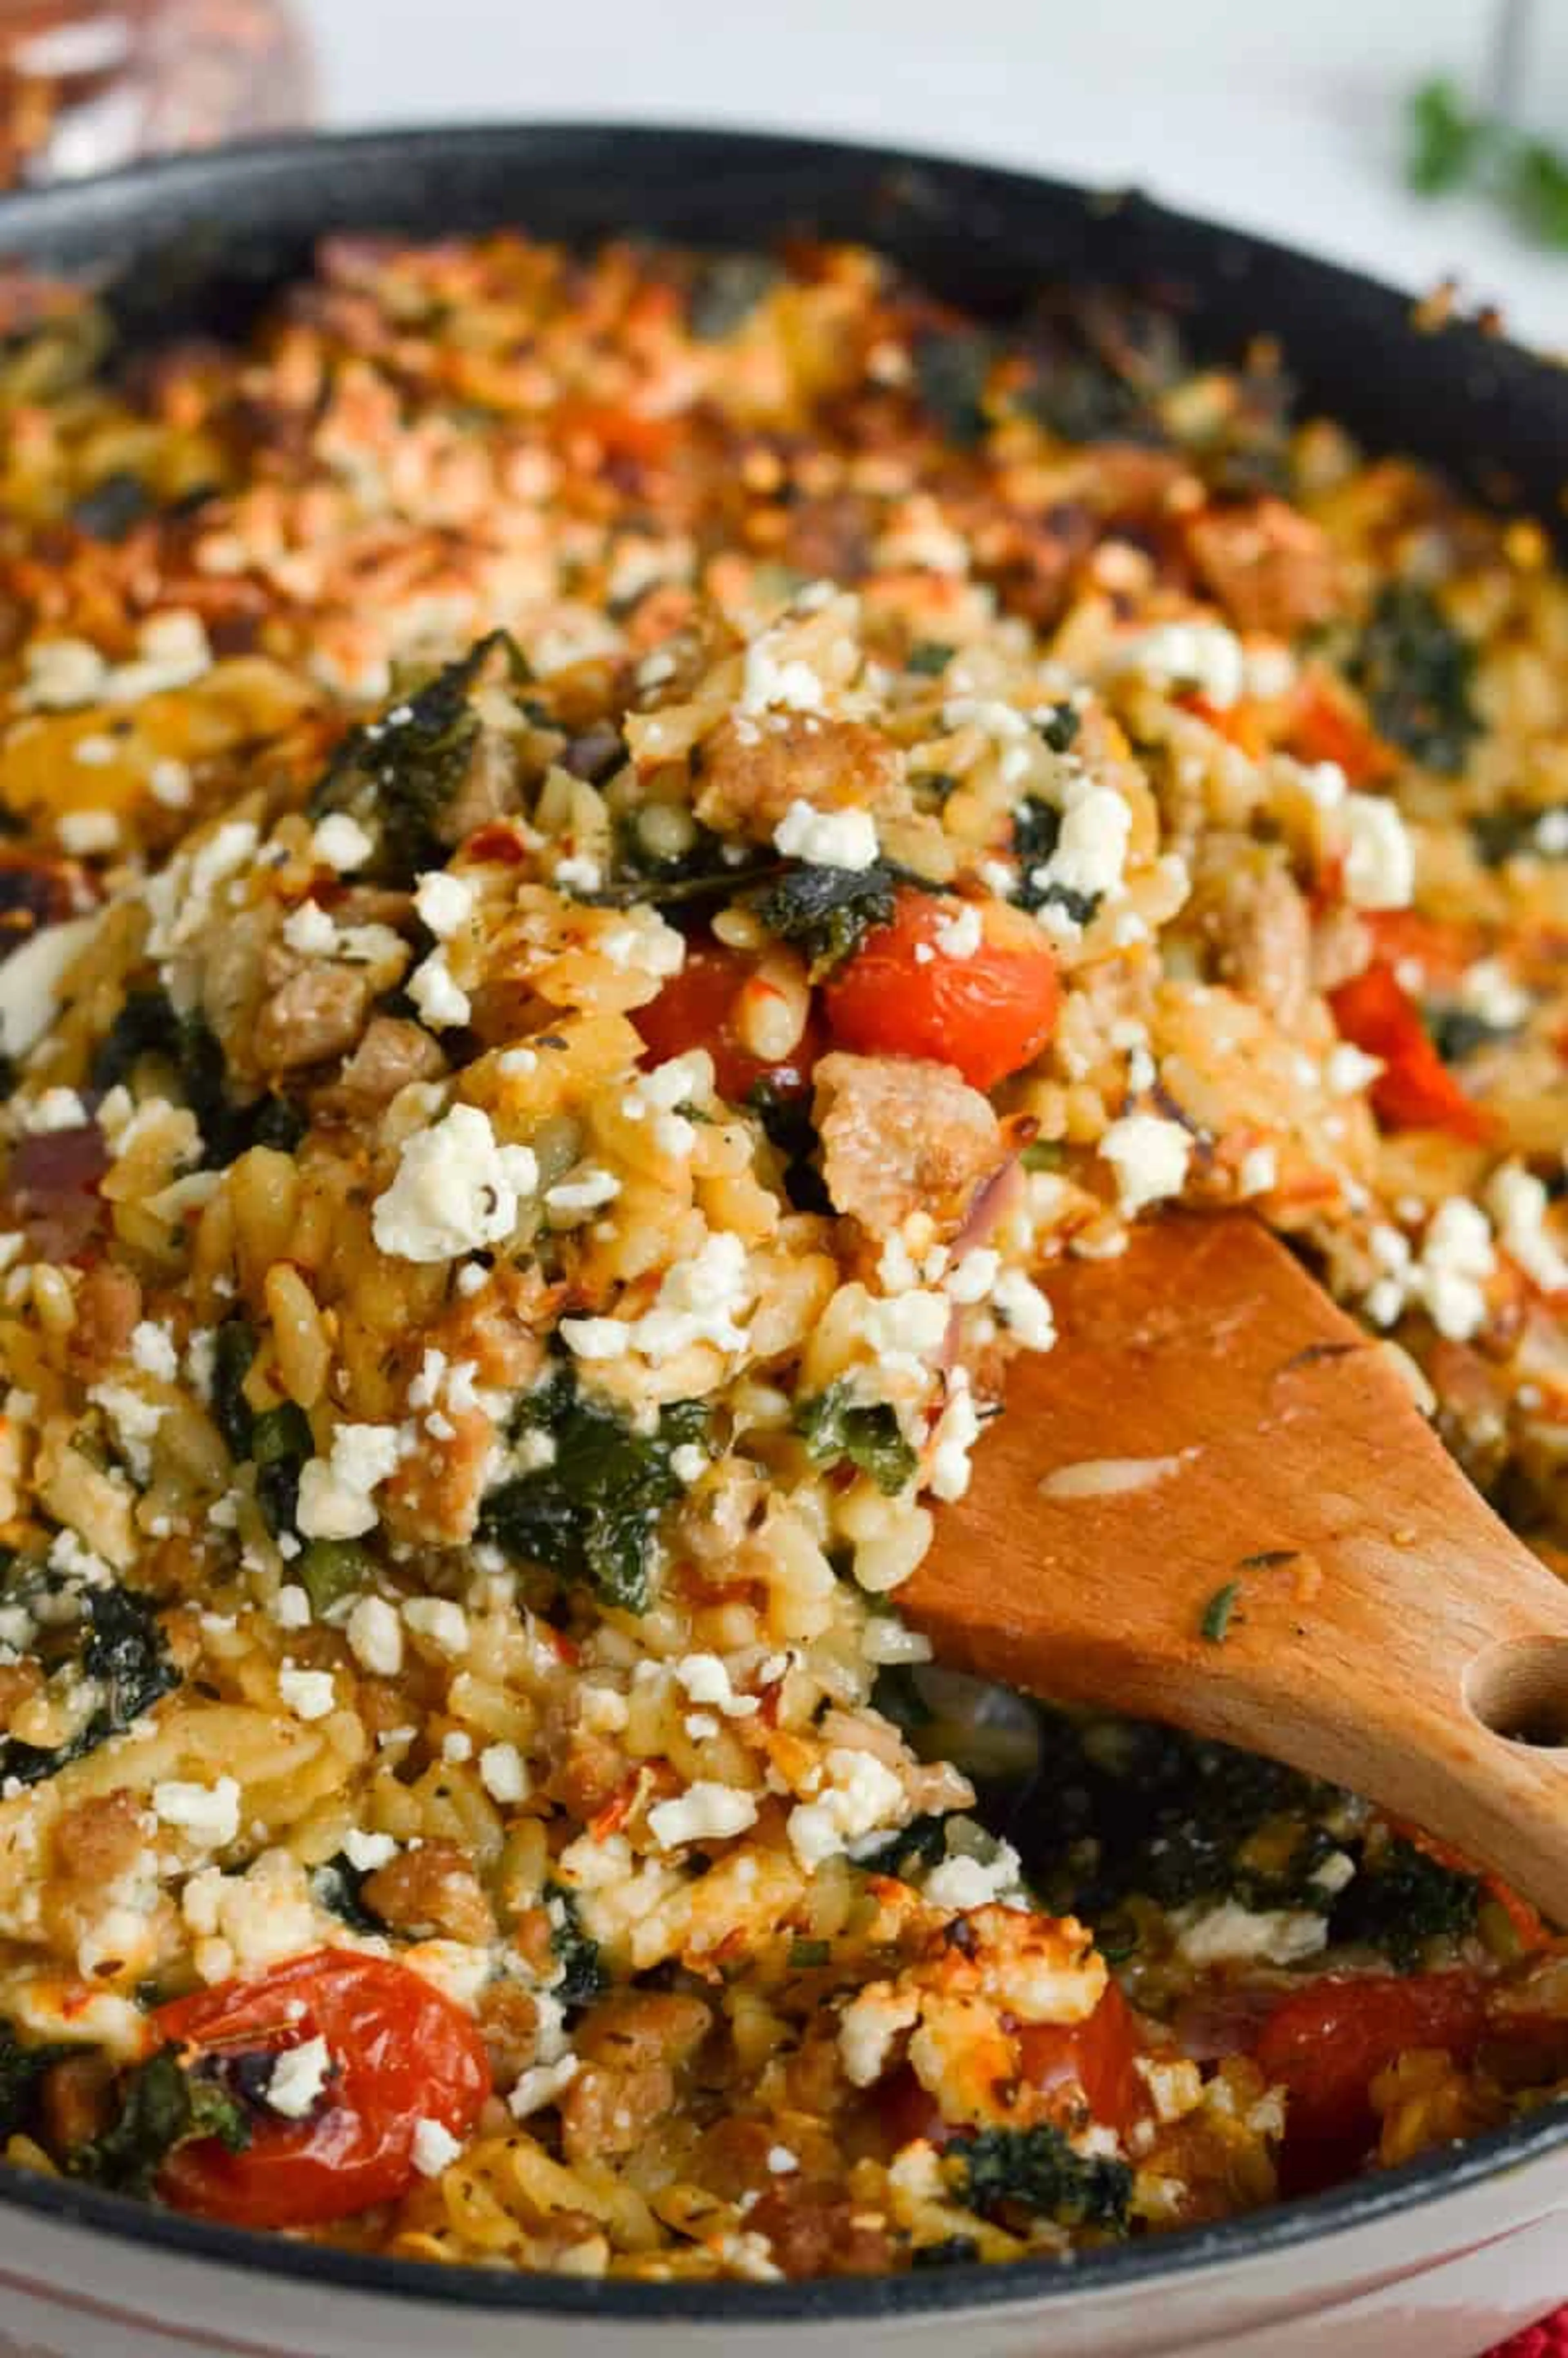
1217	1503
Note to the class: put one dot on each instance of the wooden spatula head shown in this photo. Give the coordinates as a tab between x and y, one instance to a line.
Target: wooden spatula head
1217	1503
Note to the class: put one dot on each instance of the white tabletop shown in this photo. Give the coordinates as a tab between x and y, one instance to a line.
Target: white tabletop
1282	115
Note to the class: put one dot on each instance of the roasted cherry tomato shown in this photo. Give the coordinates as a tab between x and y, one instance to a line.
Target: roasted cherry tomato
1440	946
1092	2063
904	993
1325	727
703	1006
400	2051
1415	1090
1240	724
1327	2043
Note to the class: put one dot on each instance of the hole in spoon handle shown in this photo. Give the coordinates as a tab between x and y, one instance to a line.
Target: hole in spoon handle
1519	1690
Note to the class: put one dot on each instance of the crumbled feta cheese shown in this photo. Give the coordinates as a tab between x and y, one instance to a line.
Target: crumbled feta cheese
342	844
440	1622
688	1462
841	838
310	931
1349	1070
1456	1260
1199	655
209	1814
1231	1935
586	1193
959	937
503	1773
704	1813
1090	856
443	902
781	2162
1259	1172
1518	1201
1149	1157
541	2086
767	684
907	1328
153	1351
961	1883
434	2149
974	1276
54	1110
375	1637
868	2028
456	1188
698	1301
442	1003
860	1794
309	1694
1488	990
578	874
1379	860
299	2079
83	832
706	1680
955	1434
1025	1310
366	1853
335	1492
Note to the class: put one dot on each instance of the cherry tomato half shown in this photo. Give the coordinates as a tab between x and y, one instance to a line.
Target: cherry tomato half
1327	2043
1092	2063
1415	1090
1325	727
702	1007
904	993
401	2053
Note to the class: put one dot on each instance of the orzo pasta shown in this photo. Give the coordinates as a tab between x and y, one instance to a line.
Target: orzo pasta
607	861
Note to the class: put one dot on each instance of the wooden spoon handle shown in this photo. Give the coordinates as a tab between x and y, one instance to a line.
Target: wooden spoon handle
1272	1483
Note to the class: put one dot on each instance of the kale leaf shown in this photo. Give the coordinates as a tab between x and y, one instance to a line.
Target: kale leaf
725	292
917	1846
1457	1032
163	2107
233	1348
1415	671
148	1025
1500	834
583	1977
592	1514
1403	1899
1036	2172
21	2068
122	1652
952	2252
407	773
1036	831
827	911
338	1885
281	1442
1446	141
952	366
835	1425
787	1124
114	504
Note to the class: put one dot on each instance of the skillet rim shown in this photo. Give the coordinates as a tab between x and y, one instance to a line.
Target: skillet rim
159	191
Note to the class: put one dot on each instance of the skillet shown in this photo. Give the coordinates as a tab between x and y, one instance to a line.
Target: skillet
1439	2257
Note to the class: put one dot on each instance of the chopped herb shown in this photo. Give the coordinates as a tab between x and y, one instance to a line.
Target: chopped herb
583	1977
281	1441
1269	1559
1401	1900
952	2252
952	366
331	1570
592	1514
21	2068
1446	141
725	292
163	2107
827	911
123	1653
929	657
1215	1623
407	775
1036	831
804	1954
149	1026
114	504
233	1348
1537	188
1035	2171
1415	671
1044	1154
337	1885
835	1425
786	1121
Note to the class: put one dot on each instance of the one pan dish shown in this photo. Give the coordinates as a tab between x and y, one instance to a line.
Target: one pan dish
609	854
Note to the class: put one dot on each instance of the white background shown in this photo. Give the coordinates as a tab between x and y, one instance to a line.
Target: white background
1283	115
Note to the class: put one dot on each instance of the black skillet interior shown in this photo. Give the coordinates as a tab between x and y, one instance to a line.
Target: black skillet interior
201	243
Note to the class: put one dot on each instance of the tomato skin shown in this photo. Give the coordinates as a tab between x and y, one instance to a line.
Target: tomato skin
1240	724
1094	2062
1415	1090
989	1014
1328	2042
1442	948
402	2053
1325	727
699	1008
